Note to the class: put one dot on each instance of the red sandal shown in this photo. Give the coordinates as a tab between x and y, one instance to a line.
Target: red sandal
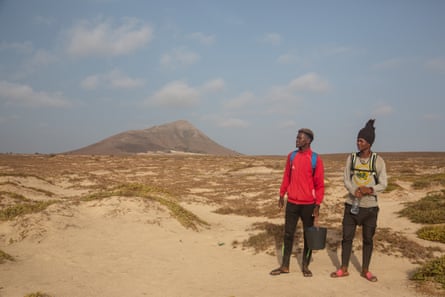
339	273
368	275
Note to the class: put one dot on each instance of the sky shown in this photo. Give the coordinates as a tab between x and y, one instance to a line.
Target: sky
247	73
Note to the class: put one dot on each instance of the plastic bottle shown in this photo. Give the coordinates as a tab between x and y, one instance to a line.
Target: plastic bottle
355	206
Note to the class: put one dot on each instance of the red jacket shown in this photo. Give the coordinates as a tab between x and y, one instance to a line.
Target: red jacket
303	187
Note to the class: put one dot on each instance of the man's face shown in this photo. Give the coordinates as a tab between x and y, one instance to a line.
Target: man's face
362	144
302	140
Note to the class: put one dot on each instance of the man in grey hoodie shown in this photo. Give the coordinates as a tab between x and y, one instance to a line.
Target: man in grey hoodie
364	177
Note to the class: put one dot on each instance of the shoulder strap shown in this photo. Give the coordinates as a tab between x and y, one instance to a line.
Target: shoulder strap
292	156
313	159
291	160
372	162
353	158
372	167
314	162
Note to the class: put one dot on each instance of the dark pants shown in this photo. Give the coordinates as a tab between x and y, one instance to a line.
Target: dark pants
367	218
293	213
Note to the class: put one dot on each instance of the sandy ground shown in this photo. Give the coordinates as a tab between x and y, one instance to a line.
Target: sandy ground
123	246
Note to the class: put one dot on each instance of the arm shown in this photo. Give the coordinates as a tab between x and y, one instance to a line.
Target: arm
318	189
319	181
285	182
352	189
381	175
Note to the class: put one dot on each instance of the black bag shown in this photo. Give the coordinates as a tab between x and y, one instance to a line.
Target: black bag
316	237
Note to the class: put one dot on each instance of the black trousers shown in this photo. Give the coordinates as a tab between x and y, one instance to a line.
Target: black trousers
294	212
367	218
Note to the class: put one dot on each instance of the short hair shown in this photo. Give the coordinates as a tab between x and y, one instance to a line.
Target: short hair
308	132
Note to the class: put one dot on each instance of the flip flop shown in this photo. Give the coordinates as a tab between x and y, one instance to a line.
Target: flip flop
278	271
339	273
307	272
368	275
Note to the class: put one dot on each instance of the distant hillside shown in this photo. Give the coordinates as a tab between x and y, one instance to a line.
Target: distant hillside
178	136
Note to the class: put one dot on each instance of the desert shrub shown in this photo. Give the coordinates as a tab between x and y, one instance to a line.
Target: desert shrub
395	243
432	233
5	257
13	195
428	210
23	208
270	235
23	175
433	270
392	186
37	294
425	181
225	210
241	210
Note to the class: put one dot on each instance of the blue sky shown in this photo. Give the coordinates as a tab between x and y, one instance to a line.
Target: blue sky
246	73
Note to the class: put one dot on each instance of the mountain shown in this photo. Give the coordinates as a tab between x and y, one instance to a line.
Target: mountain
179	136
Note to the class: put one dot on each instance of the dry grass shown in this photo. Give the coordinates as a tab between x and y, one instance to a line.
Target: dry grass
37	294
22	206
5	257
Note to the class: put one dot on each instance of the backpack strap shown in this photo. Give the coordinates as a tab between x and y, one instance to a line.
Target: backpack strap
292	156
353	158
313	160
372	166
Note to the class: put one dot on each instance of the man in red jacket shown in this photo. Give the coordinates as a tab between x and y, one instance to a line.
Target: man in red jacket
304	185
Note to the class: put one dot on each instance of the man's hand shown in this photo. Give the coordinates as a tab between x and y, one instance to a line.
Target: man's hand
316	214
316	211
362	191
281	202
358	193
366	190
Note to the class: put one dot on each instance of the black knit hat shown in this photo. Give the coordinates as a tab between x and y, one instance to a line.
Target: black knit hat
308	132
367	133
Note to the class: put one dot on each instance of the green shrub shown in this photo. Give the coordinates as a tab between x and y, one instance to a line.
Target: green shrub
428	210
392	185
23	208
433	270
432	233
425	181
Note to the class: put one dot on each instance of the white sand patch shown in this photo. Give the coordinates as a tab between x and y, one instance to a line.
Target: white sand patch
255	170
200	190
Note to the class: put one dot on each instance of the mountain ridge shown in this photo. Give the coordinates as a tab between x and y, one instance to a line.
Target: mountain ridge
177	136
